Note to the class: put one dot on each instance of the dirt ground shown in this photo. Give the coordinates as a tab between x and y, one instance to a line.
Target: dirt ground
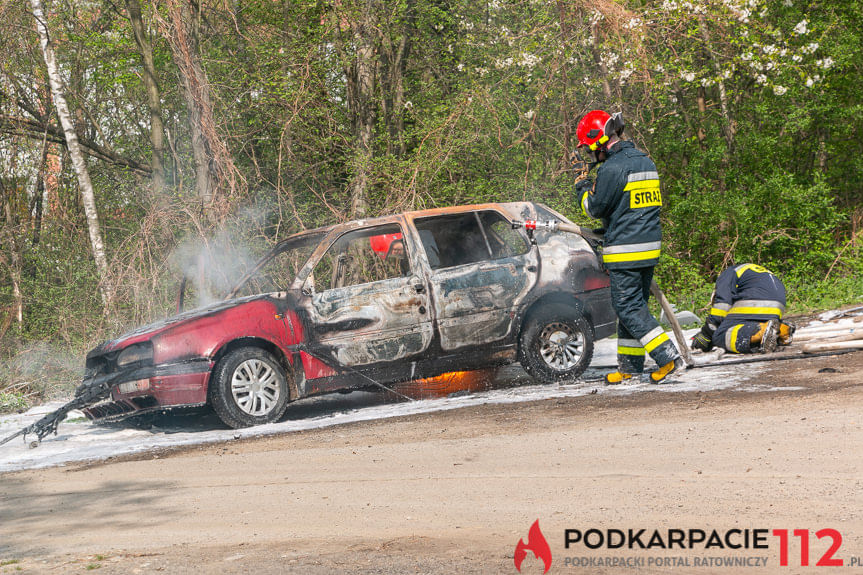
454	491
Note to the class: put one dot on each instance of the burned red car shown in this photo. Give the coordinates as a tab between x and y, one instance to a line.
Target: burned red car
369	302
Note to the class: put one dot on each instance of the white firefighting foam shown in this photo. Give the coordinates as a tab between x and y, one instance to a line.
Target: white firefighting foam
79	440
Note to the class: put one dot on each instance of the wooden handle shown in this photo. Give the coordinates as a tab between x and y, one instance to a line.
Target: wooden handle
675	325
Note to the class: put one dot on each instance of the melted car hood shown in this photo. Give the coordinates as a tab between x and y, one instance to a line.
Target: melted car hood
146	332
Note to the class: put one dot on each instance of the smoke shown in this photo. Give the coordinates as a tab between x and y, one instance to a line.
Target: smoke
211	266
214	265
40	371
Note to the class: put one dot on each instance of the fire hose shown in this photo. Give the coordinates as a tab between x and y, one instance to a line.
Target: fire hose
554	226
88	393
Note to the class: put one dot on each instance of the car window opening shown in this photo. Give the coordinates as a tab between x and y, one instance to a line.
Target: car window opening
363	256
460	239
276	271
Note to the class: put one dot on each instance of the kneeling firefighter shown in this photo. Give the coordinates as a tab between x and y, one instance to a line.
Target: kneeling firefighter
627	199
746	312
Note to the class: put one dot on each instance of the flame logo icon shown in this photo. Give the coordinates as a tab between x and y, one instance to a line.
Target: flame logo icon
535	542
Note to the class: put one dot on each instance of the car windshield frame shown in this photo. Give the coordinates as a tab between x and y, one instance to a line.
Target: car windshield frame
307	240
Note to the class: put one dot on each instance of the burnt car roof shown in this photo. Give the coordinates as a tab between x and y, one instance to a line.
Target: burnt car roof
413	214
327	231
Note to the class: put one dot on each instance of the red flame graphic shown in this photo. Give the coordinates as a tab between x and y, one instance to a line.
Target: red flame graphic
535	542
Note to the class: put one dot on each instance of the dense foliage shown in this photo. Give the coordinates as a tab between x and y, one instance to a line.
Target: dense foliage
278	116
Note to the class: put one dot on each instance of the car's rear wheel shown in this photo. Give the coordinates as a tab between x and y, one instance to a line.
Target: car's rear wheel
556	343
249	387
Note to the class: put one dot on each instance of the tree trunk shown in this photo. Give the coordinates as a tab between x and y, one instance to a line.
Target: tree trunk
603	69
151	84
37	206
88	197
363	108
214	166
728	127
564	72
394	56
183	40
702	111
11	197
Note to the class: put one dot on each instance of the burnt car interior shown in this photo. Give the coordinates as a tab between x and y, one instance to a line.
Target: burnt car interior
363	256
459	239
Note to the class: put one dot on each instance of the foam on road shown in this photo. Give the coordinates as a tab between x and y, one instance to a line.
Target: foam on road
79	440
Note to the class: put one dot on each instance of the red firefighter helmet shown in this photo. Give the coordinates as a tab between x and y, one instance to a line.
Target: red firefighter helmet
591	129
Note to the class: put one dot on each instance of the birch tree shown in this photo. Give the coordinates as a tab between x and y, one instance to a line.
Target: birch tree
88	198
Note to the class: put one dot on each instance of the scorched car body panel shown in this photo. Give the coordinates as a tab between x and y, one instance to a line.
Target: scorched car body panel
381	300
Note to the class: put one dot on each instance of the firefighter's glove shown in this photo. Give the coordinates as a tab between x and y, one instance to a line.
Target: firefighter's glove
577	164
703	340
585	185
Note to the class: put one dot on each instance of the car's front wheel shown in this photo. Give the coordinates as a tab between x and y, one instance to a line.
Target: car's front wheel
556	343
249	387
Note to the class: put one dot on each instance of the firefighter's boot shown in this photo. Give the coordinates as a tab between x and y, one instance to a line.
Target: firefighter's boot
786	333
769	336
617	377
662	374
755	340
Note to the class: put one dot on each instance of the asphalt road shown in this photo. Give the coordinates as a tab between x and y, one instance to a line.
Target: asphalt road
454	491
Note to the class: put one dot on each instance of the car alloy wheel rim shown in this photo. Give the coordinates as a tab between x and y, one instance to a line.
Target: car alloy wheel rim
561	346
255	387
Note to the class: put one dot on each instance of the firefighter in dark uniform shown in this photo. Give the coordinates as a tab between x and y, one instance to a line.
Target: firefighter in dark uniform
746	312
627	199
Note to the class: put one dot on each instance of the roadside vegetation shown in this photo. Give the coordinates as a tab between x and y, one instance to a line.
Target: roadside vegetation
209	130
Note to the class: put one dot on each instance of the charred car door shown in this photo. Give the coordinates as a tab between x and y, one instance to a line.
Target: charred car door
481	270
367	304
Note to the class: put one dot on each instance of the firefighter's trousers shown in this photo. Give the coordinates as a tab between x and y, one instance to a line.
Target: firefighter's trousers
735	335
637	331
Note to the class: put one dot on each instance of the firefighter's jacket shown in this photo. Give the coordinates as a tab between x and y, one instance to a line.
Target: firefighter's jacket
626	198
747	292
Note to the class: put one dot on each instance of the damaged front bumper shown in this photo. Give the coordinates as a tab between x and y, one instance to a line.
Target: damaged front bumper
151	388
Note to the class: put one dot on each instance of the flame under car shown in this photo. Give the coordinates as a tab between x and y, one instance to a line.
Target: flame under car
400	298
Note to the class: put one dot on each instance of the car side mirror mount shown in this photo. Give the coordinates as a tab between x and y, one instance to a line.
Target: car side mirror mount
308	287
181	295
417	284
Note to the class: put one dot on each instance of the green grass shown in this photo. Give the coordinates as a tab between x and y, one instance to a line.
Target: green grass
12	401
807	298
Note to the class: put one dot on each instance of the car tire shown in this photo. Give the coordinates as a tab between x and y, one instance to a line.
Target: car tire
556	343
249	387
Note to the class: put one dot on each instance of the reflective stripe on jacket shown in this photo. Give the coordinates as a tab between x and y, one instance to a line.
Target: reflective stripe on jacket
747	292
627	199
